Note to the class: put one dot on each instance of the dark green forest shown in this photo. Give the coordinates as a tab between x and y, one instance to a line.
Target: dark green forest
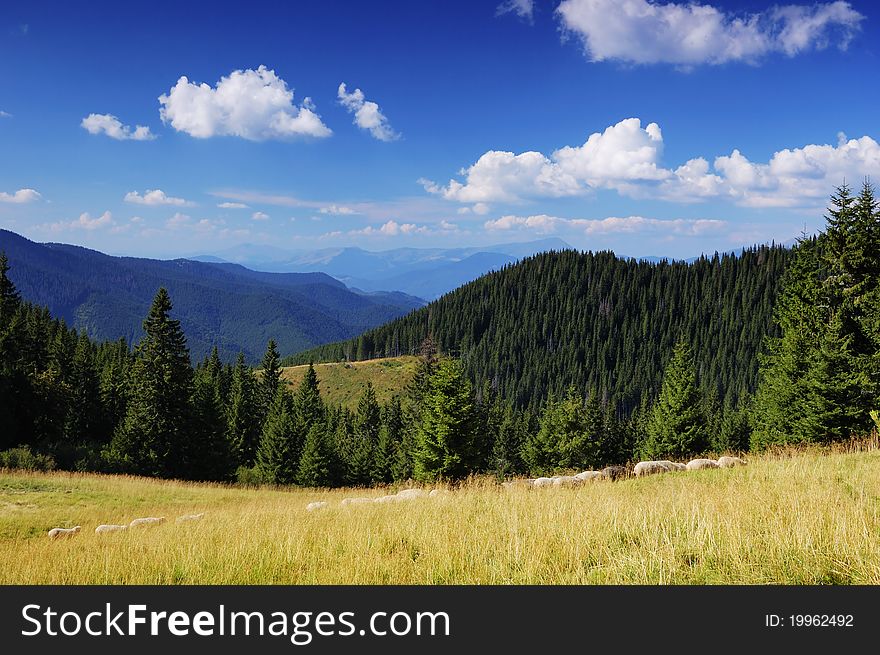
565	361
594	321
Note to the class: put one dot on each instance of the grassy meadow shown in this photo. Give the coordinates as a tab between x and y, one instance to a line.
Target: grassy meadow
342	383
792	518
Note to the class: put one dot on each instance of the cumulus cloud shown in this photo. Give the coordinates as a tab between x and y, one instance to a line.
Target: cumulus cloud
5	114
259	216
84	222
628	158
393	228
544	224
232	205
113	127
20	197
690	34
367	114
252	104
624	153
525	9
337	210
155	197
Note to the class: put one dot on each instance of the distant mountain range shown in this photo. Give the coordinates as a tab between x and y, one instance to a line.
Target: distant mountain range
220	304
423	272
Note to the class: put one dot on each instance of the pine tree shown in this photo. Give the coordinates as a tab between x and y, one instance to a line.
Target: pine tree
447	435
368	421
212	458
270	377
153	436
309	406
279	448
390	435
506	457
315	466
9	296
676	426
242	415
565	439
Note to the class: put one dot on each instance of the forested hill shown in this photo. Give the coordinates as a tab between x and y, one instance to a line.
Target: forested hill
226	305
595	321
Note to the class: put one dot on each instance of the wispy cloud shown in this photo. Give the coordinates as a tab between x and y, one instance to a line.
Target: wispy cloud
367	114
113	127
155	197
692	34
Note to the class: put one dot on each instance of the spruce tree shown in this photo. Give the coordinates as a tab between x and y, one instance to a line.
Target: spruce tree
242	414
277	455
270	377
309	406
447	435
390	435
154	434
676	426
212	453
315	466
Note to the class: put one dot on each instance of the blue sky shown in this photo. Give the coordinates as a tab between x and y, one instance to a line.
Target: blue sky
646	127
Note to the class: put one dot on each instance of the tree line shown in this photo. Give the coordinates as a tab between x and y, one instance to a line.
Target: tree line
149	411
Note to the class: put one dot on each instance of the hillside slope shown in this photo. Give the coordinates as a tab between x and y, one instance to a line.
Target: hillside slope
344	383
595	321
218	304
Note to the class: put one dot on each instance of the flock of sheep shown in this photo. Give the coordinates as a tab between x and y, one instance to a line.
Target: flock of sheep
639	470
60	533
608	473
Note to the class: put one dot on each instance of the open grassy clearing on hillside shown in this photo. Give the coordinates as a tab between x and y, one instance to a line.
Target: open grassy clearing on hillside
804	518
344	382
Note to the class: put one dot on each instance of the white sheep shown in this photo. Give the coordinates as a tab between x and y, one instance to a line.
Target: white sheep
189	517
727	462
406	494
355	501
437	492
110	528
652	467
386	499
566	481
587	476
697	464
60	533
147	520
318	504
543	482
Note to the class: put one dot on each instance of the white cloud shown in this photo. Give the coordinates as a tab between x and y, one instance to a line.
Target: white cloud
259	216
627	158
84	222
644	32
113	127
251	104
337	210
155	197
5	114
177	221
525	9
544	224
232	205
624	153
393	228
480	209
367	114
20	197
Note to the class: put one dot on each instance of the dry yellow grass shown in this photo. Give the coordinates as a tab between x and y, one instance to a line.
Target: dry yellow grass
801	518
344	383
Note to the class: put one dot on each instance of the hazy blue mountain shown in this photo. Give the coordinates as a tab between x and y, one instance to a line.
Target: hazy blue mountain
423	272
226	305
